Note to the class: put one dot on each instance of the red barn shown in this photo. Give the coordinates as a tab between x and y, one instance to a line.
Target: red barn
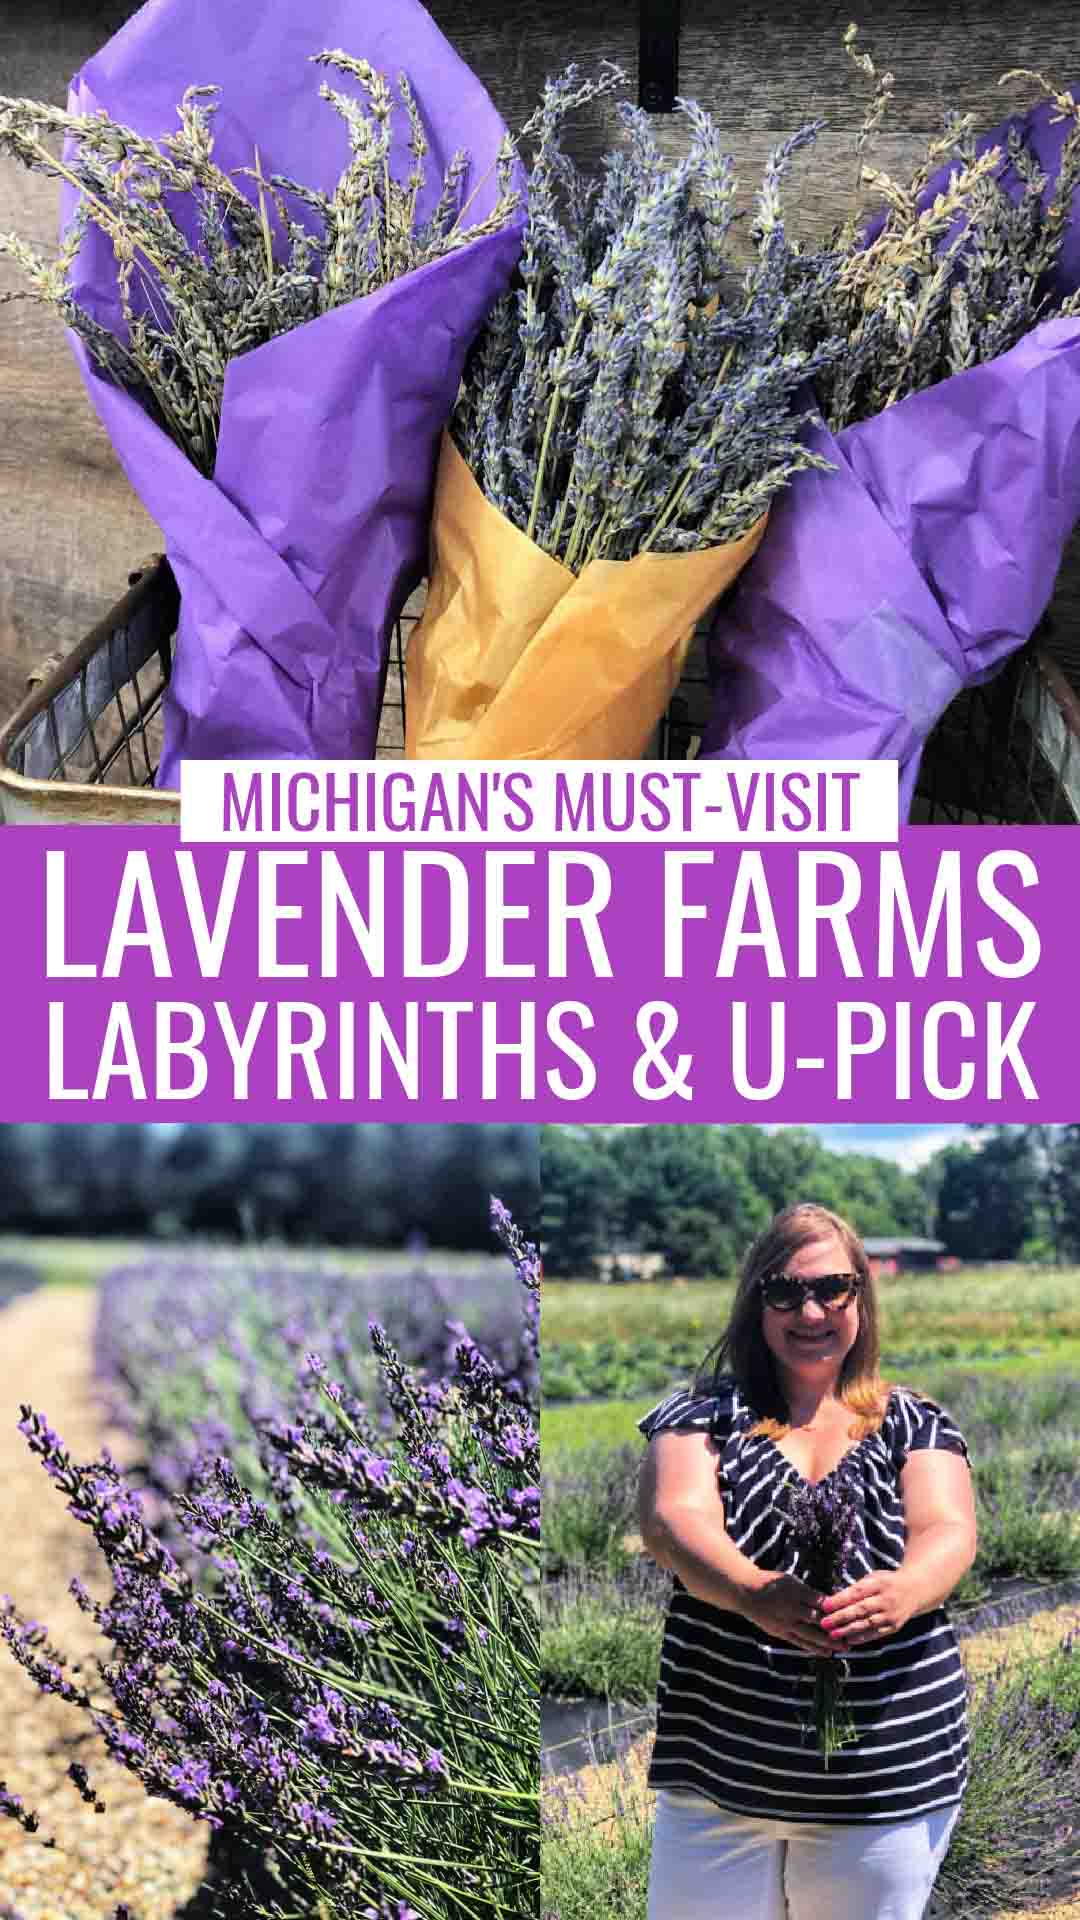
905	1255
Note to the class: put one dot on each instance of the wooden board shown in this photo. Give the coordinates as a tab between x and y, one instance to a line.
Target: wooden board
765	66
70	527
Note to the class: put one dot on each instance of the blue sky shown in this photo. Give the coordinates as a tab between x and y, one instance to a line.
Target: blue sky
909	1145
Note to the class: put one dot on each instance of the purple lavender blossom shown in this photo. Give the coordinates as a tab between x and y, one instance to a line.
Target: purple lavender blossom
12	1807
78	1774
824	1518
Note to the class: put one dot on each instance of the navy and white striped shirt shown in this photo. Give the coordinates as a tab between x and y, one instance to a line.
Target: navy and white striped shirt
735	1709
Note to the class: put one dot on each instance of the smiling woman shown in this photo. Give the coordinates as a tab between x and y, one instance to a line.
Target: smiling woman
788	1419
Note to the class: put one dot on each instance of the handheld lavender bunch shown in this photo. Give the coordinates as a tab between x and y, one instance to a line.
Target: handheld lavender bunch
205	273
340	1675
638	390
824	1518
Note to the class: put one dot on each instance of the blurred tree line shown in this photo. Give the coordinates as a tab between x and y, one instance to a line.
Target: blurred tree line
698	1195
1011	1192
304	1185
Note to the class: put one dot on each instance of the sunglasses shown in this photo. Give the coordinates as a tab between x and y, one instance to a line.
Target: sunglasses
784	1292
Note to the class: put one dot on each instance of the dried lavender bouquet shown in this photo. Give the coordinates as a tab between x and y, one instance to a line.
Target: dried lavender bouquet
824	1518
270	307
959	262
204	274
931	552
637	398
638	389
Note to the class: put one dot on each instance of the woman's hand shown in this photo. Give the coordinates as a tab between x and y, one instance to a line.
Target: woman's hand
787	1609
869	1610
939	1520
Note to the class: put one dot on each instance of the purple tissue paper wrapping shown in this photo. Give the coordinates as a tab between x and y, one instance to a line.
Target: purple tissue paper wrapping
913	570
294	560
1043	132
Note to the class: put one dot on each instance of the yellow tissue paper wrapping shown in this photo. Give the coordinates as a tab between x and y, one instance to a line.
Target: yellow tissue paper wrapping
517	658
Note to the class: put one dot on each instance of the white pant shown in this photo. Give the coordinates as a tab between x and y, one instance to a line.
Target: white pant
708	1864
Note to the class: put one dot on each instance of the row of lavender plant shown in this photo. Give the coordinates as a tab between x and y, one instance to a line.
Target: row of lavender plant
1013	1846
190	1355
323	1629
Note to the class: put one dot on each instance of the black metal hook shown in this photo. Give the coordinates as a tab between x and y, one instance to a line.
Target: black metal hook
658	55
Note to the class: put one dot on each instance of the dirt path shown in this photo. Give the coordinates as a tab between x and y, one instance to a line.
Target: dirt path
1039	1634
141	1852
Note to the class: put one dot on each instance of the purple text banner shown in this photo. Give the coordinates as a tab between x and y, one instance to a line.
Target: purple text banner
148	980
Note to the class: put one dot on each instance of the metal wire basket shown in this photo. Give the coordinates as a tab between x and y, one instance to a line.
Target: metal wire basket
85	742
1004	754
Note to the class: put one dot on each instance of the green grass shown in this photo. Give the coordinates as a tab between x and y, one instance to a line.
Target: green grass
604	1371
607	1423
1019	1306
79	1262
613	1422
1031	1363
70	1263
627	1343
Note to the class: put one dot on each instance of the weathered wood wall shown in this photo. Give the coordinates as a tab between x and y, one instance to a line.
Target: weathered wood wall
69	526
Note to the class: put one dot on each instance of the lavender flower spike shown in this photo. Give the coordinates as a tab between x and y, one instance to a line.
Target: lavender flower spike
824	1519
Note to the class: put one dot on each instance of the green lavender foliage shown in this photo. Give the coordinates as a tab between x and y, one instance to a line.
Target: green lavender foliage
637	390
255	271
596	1869
1016	1819
947	283
601	1635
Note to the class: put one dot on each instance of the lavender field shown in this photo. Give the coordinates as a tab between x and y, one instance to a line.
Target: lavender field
315	1584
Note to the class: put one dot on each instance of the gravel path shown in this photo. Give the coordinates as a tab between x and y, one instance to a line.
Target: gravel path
141	1852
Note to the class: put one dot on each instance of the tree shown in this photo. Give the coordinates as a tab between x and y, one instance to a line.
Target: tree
789	1165
581	1198
989	1197
688	1196
698	1195
1066	1179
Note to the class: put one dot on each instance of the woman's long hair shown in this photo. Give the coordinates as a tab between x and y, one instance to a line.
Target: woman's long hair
741	1351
